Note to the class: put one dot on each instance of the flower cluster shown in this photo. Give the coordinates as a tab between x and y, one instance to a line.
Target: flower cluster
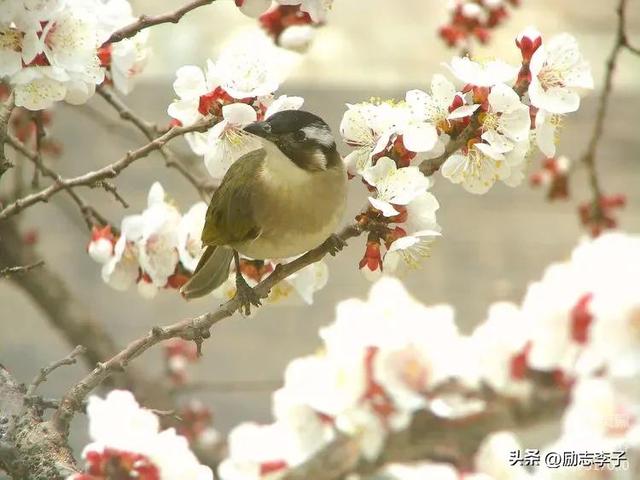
383	360
160	248
49	50
493	112
155	249
127	443
473	19
237	90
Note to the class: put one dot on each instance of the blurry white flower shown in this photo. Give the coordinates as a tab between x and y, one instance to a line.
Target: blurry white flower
598	412
422	471
484	74
367	427
557	71
395	186
500	344
492	458
330	384
309	430
256	452
128	438
189	232
297	37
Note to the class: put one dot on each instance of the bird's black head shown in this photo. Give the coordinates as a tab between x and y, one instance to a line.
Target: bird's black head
302	136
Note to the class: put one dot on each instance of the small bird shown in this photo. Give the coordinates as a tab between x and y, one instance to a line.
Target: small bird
278	201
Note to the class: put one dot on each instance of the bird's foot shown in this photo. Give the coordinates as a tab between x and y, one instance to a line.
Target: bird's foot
246	295
334	244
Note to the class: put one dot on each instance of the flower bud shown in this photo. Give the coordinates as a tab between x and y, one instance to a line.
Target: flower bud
528	41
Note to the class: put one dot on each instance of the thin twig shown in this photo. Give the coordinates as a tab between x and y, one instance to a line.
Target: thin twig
589	158
193	329
70	359
112	170
150	130
9	271
40	134
145	21
91	215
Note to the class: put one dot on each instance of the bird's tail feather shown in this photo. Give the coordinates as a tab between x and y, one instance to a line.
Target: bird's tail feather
211	272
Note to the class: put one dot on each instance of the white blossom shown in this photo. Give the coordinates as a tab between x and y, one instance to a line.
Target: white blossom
558	70
190	247
482	74
394	186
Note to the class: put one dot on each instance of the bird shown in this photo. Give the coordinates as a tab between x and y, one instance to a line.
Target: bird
284	198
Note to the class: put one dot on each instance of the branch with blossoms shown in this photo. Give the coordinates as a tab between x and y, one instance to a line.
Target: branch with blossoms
391	371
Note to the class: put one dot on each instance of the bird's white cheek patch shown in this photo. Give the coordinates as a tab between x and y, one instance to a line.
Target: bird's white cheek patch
320	159
320	135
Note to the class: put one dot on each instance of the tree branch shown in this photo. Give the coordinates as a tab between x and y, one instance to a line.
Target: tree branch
150	131
70	359
29	447
110	171
90	214
145	21
5	113
9	271
194	329
589	158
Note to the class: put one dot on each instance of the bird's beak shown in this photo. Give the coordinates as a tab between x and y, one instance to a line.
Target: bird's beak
260	129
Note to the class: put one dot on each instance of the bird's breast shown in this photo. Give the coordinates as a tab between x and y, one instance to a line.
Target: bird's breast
296	210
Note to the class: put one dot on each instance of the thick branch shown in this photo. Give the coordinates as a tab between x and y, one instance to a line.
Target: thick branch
195	329
110	171
149	21
29	447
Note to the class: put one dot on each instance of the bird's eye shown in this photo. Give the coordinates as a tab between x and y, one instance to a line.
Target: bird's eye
300	136
266	127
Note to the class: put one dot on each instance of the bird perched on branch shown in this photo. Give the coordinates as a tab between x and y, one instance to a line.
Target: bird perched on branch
279	201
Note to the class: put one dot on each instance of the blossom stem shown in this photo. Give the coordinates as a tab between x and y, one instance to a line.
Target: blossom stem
589	158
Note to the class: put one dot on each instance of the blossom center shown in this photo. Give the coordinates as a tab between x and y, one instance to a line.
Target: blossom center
490	120
550	78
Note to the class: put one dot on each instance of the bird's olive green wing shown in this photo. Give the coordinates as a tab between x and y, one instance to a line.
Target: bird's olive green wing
230	216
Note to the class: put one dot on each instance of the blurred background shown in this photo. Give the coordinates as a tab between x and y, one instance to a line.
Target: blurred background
492	245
